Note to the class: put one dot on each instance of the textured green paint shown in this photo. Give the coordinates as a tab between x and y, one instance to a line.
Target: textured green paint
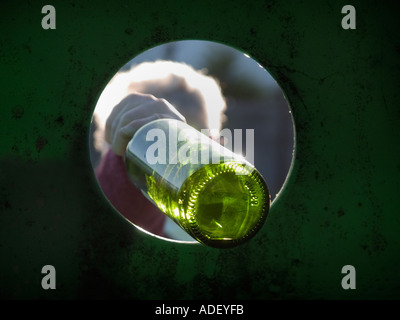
339	206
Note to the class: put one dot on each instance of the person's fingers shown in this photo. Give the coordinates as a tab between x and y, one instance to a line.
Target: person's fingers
133	112
115	111
125	133
131	101
146	109
128	114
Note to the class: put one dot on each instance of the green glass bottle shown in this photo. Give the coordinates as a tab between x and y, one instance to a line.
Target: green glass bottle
216	196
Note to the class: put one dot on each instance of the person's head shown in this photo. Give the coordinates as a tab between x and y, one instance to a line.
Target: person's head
195	95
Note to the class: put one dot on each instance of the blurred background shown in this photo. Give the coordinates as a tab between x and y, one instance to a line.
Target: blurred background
253	101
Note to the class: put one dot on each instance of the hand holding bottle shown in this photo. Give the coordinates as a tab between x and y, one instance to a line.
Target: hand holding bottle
132	113
220	203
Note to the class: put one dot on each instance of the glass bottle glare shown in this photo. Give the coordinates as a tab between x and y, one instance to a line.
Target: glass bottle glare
216	196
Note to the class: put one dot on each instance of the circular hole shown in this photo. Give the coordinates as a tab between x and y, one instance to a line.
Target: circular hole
213	86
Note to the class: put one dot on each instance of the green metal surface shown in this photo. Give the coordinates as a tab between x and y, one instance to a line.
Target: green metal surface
339	205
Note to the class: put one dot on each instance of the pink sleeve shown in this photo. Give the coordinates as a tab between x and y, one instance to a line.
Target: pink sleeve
125	197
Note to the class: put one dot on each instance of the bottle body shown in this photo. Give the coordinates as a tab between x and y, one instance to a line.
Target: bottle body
216	196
